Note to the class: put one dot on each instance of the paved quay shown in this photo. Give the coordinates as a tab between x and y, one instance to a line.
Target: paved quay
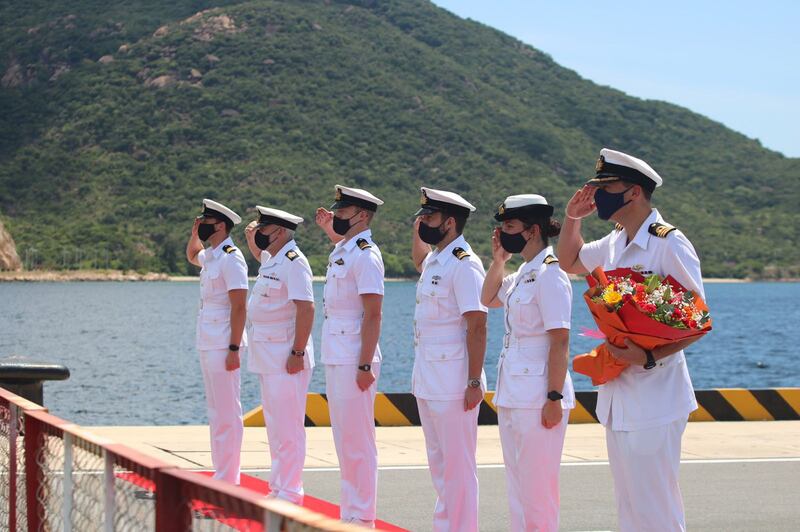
735	475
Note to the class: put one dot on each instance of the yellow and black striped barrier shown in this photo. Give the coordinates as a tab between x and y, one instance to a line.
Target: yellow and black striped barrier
725	404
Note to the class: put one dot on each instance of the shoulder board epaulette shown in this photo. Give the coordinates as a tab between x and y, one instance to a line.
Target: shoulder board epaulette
363	244
618	227
660	230
460	253
291	254
228	249
550	259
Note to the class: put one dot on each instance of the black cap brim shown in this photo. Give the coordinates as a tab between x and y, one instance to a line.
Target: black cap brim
427	210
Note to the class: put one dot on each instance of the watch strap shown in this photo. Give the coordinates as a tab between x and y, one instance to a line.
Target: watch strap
651	360
233	347
365	367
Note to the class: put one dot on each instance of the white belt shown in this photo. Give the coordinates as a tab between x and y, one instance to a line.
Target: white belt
349	314
525	341
207	306
274	323
435	339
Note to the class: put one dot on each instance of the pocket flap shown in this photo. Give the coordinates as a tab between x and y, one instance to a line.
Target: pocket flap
217	315
212	271
340	326
263	333
526	368
445	352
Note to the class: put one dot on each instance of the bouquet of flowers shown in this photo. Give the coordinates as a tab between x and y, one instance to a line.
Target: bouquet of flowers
649	311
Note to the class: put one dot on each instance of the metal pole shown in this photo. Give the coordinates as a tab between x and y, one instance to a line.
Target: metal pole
109	495
34	442
13	432
67	482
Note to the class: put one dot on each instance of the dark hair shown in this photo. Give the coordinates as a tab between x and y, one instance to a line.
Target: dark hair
548	227
461	221
228	226
646	192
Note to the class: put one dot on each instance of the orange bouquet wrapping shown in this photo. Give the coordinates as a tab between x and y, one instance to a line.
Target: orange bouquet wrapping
651	312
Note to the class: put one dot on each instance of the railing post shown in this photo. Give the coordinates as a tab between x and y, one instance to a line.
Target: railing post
67	517
110	494
172	512
13	433
34	444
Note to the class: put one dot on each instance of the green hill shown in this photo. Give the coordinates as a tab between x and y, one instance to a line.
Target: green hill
117	118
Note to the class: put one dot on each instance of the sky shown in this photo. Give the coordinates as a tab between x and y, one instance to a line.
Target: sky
735	62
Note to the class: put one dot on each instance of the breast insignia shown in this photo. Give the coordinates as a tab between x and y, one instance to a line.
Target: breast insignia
339	261
228	249
660	230
460	253
291	254
363	244
550	259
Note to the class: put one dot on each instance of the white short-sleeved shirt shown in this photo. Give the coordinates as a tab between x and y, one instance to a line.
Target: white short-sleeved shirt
282	279
449	286
536	298
355	268
223	270
640	399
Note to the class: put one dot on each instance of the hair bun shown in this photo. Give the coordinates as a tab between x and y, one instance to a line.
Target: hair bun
553	227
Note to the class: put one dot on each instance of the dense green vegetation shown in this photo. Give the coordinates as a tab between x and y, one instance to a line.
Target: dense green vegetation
106	162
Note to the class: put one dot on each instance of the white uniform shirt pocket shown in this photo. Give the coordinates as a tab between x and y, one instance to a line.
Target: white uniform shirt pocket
214	329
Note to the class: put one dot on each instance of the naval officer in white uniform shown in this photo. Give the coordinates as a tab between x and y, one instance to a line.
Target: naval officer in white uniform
220	330
353	300
449	343
646	408
534	390
280	313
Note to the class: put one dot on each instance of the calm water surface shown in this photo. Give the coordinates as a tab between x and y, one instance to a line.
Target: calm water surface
130	346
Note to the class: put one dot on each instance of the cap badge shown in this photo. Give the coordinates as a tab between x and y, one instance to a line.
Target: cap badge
338	196
501	209
424	199
599	164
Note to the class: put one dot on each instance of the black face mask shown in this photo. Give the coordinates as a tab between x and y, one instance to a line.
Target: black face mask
512	242
609	202
262	240
204	231
342	225
431	235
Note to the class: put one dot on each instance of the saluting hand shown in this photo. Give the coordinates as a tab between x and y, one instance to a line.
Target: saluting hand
582	204
195	226
324	219
499	254
250	230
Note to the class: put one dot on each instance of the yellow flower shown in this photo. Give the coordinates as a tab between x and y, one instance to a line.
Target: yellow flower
611	296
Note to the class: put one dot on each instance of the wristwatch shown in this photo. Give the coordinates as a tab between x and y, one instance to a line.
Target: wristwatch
365	367
651	360
554	395
474	383
298	353
233	347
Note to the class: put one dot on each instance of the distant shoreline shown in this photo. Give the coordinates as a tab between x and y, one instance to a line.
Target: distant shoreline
116	276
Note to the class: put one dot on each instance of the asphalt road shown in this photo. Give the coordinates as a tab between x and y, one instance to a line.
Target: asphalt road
722	496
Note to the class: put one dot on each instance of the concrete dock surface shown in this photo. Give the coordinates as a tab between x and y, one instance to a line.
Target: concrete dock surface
735	475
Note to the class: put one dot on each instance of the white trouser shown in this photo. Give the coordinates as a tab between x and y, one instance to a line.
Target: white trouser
451	439
644	464
532	455
353	424
224	414
283	399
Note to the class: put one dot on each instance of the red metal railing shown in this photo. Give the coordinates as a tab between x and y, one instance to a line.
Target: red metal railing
58	476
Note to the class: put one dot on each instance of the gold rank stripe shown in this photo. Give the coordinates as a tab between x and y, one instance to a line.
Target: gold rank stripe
727	404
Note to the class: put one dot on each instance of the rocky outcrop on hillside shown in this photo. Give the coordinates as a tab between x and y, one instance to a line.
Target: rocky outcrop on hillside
9	260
